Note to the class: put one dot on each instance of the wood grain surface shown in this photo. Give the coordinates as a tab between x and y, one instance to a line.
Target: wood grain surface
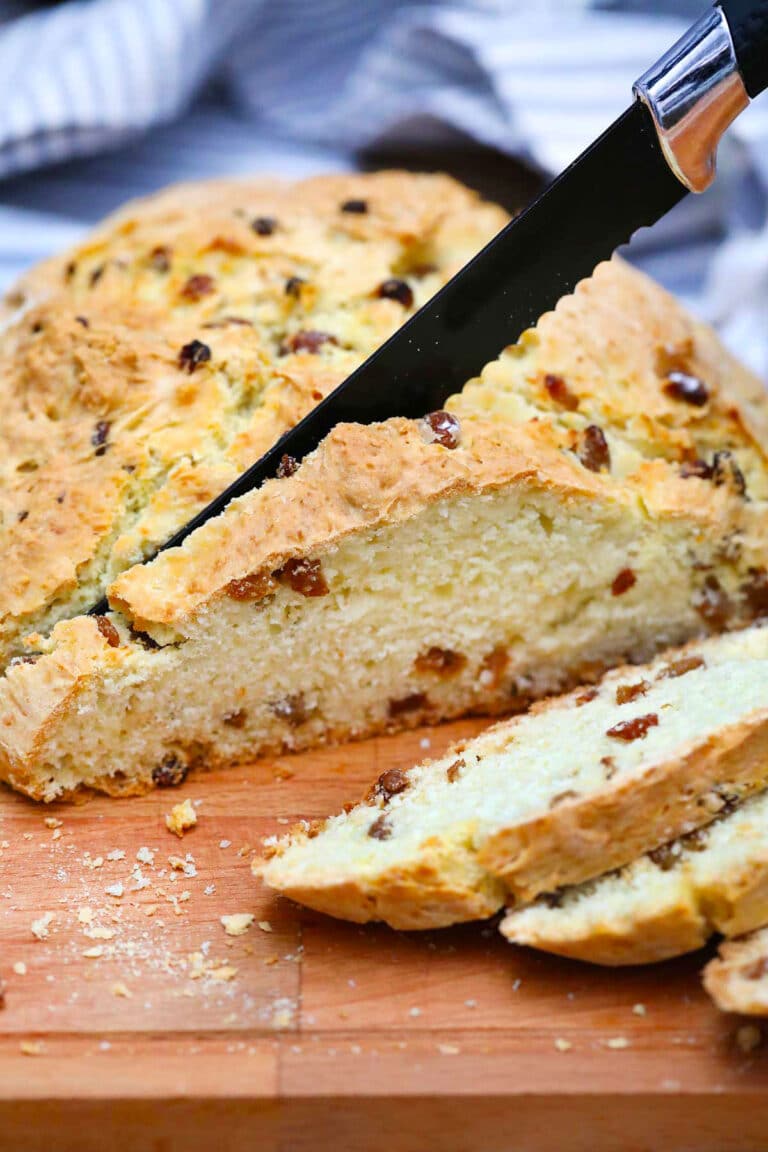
133	1021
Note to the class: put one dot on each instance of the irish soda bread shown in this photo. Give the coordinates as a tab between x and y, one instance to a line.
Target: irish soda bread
670	901
598	493
578	785
144	370
737	980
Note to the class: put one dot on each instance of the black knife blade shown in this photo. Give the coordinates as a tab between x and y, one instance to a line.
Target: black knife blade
619	184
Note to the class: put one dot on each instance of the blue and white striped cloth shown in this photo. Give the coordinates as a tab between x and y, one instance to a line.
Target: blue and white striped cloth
153	91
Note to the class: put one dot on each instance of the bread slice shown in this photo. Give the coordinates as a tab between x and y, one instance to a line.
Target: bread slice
664	904
417	570
578	785
737	979
142	371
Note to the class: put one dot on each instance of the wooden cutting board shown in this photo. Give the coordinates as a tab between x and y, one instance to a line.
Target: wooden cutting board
137	1023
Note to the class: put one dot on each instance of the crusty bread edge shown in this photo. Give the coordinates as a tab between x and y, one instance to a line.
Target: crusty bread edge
586	836
727	982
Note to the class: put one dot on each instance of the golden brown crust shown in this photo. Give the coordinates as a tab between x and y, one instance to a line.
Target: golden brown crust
110	441
655	914
444	887
669	930
585	836
614	344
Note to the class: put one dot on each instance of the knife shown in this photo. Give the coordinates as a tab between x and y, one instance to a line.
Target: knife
661	148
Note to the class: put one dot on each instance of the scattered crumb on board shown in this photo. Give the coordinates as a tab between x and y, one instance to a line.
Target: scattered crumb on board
181	818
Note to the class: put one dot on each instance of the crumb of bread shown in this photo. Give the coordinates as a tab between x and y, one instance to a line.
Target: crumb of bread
52	822
563	1045
93	953
181	818
31	1047
265	925
97	932
120	989
20	968
223	972
40	927
238	923
617	1043
639	1009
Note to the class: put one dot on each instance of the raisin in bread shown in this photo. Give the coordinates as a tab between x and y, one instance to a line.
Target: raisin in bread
145	369
417	570
737	979
670	901
578	785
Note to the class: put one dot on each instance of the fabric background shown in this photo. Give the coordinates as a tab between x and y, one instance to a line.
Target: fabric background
105	99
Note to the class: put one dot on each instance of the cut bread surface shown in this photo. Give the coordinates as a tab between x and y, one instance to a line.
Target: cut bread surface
737	979
481	600
580	784
666	903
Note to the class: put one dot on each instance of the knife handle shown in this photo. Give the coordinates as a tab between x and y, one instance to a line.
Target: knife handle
748	23
703	82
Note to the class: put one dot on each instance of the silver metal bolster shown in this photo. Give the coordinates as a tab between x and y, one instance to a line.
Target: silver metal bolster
694	92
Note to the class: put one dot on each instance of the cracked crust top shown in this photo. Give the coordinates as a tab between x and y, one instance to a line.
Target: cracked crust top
141	372
613	357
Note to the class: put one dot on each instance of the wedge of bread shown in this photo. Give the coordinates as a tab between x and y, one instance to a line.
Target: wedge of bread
737	979
666	903
578	785
597	494
142	371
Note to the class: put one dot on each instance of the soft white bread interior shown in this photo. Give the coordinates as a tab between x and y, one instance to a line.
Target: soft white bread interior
737	979
578	785
666	903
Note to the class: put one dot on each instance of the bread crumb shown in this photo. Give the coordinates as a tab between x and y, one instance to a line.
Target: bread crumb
224	843
639	1009
98	933
52	822
563	1045
181	818
85	915
20	968
617	1043
41	925
120	989
116	854
31	1047
224	972
265	925
238	923
93	953
145	856
748	1037
116	890
448	1049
